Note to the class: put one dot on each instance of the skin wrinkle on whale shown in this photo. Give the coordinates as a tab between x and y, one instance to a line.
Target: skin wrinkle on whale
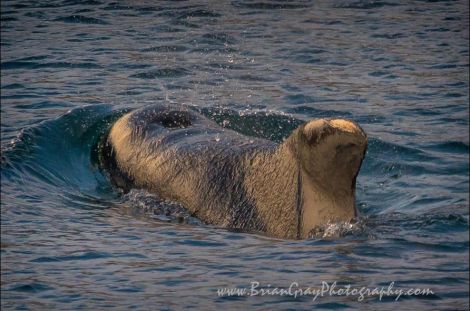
230	180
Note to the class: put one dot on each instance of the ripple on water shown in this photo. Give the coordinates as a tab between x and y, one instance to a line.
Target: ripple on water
80	256
273	5
365	4
318	113
80	19
458	147
10	65
166	49
198	13
162	73
13	86
44	105
31	288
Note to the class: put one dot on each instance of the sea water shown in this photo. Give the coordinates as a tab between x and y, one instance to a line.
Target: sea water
70	240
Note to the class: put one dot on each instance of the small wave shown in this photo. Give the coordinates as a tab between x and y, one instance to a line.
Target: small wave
80	256
117	7
434	220
13	86
8	19
272	5
57	152
318	113
34	287
254	78
184	23
378	73
388	36
366	4
8	65
214	39
166	49
297	99
43	105
199	13
80	19
162	73
386	150
450	147
31	58
182	12
213	49
36	14
81	2
166	29
225	66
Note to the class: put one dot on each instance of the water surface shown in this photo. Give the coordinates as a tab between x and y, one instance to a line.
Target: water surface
70	68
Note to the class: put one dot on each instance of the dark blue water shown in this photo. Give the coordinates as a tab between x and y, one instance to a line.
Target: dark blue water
69	240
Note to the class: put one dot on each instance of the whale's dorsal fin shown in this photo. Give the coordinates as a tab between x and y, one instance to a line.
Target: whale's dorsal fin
330	152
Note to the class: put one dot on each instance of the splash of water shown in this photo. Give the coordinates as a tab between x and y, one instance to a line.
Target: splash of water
149	204
354	227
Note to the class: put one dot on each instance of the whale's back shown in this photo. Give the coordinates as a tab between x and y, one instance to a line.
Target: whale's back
183	156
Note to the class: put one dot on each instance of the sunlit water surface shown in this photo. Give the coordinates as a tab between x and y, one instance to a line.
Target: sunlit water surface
69	240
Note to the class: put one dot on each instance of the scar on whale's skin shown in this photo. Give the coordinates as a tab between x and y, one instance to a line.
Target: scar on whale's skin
230	180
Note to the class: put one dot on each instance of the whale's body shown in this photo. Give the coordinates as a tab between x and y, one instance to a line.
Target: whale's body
227	179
